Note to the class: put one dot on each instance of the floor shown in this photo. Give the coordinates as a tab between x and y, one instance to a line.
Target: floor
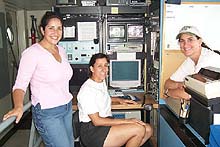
21	137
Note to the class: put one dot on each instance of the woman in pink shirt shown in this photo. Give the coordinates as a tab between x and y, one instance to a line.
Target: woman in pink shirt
45	66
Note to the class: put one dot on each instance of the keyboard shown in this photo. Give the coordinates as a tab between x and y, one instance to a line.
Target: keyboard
130	97
115	92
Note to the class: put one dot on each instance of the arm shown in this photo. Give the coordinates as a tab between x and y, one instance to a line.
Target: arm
17	111
122	101
170	84
27	66
175	90
101	121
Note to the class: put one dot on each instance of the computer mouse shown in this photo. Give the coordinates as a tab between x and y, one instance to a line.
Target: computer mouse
131	97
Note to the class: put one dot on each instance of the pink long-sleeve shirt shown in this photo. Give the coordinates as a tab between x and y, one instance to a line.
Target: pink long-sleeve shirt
49	79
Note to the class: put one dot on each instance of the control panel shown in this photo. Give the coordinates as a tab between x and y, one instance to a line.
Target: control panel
79	52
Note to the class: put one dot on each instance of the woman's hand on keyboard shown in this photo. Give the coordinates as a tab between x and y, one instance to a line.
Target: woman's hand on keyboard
124	101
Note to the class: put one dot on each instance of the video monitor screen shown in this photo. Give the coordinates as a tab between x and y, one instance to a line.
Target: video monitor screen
135	31
116	31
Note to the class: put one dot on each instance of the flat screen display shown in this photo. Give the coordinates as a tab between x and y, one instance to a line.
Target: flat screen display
125	74
124	70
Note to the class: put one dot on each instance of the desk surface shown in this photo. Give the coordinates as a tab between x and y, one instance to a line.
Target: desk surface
117	106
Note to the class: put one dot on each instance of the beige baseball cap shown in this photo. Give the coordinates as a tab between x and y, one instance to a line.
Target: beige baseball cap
189	29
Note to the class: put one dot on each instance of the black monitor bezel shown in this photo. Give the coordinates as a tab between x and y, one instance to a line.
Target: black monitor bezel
116	39
135	39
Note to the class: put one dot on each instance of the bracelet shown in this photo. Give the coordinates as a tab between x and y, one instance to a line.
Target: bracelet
166	93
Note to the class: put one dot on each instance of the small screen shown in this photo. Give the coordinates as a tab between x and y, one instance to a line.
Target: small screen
116	31
135	31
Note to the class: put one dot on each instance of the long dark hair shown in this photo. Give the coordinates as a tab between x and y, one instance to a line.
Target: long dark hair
206	46
203	43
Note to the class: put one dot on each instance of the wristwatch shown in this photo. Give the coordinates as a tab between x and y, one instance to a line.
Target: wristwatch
166	93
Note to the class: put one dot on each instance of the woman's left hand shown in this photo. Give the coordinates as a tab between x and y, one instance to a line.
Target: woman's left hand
137	121
124	101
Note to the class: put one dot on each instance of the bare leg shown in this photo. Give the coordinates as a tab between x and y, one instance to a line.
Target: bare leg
133	135
148	133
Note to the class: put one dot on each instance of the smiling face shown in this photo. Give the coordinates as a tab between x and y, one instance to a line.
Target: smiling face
190	45
53	31
99	70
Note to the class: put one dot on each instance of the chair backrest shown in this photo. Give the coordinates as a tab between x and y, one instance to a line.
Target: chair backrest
76	124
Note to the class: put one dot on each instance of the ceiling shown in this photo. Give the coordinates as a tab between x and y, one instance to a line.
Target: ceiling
31	4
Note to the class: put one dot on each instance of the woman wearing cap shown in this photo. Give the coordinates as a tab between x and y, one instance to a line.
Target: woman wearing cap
198	55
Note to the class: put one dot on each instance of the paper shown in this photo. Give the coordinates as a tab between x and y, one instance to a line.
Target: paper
69	32
114	10
86	30
216	120
126	56
202	16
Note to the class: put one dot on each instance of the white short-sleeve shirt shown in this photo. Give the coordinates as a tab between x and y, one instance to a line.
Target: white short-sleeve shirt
93	97
188	67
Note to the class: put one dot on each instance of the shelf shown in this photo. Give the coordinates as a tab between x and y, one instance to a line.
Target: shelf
124	9
101	9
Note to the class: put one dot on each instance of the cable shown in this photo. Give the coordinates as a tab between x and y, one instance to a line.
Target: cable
15	64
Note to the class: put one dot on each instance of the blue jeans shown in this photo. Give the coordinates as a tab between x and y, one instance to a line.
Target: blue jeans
54	125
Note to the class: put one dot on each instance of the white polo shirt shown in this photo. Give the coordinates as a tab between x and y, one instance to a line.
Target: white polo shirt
93	97
188	67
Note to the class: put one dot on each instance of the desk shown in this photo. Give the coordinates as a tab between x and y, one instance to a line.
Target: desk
116	106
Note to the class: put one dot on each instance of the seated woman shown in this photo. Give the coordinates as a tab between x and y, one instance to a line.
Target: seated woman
98	127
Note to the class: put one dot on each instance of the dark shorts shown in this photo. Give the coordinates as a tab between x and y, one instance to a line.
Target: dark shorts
93	136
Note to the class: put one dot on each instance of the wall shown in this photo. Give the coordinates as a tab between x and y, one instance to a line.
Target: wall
171	60
38	15
21	23
5	102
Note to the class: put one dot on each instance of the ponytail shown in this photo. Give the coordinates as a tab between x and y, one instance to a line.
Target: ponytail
205	46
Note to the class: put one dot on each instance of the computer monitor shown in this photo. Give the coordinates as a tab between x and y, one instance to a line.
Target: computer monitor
116	33
125	74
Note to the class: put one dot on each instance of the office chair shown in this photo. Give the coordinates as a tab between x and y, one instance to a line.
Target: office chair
76	128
